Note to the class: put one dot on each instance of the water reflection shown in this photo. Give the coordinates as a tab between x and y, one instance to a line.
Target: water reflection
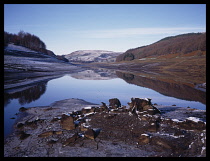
95	74
96	86
166	87
27	95
33	91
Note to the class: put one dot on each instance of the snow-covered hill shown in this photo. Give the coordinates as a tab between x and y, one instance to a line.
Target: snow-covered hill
88	56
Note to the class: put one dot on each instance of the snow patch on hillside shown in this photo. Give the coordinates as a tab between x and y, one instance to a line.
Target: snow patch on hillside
92	56
19	48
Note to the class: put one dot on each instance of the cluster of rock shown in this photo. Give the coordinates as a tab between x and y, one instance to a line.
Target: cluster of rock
141	126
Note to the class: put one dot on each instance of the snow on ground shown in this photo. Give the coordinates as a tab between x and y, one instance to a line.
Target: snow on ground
19	48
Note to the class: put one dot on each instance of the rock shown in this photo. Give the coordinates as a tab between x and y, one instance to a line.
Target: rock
99	109
87	110
23	135
92	133
32	124
45	134
104	106
147	107
138	104
20	125
67	122
192	125
153	127
114	103
22	109
71	139
161	142
144	139
57	132
83	127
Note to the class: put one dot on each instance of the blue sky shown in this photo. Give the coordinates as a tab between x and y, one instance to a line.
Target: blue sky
115	27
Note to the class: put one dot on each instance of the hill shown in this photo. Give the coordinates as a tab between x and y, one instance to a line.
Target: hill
89	56
180	45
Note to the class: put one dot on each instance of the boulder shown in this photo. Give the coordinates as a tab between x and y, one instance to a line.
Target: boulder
114	103
92	133
144	139
67	122
137	104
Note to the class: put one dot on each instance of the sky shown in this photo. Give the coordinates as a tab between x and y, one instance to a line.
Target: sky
66	28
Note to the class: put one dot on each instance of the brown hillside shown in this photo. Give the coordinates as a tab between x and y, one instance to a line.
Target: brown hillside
180	44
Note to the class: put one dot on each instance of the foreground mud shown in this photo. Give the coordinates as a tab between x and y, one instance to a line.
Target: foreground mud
73	127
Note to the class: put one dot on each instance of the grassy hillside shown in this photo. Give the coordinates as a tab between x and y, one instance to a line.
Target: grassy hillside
178	45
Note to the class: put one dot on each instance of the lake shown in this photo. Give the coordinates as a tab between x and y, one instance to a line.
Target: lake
98	86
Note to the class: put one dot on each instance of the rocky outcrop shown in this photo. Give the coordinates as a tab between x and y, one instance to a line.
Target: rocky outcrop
103	131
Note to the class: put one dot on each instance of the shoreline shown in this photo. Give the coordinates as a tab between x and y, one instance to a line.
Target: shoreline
141	135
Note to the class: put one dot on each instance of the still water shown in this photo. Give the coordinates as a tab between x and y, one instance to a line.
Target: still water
96	89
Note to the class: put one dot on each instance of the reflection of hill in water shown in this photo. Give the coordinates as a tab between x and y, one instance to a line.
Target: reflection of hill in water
165	87
95	74
28	95
25	87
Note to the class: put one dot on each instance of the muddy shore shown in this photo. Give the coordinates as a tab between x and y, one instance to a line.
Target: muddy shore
76	128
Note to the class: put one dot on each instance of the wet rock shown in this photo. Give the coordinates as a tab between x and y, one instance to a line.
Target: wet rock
67	122
114	103
144	139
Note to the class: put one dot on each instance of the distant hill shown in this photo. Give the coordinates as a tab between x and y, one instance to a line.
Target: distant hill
181	45
89	56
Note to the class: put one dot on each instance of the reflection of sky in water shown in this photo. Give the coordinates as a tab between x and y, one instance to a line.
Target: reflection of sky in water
95	91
